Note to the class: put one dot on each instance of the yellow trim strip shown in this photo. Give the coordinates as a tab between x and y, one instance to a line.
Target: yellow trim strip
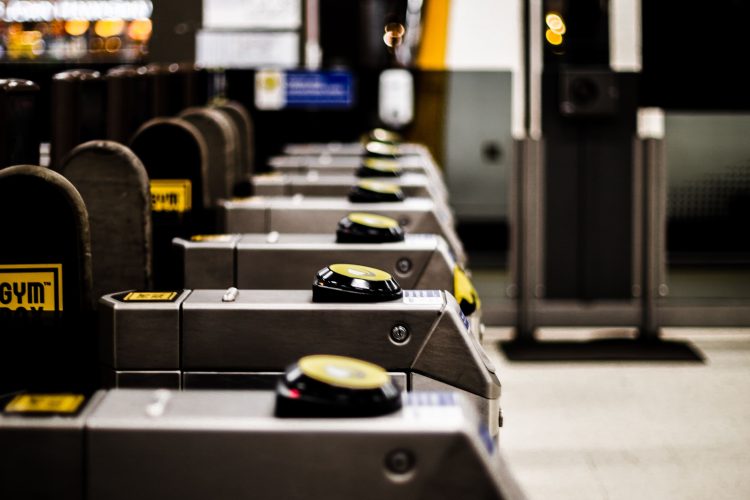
434	35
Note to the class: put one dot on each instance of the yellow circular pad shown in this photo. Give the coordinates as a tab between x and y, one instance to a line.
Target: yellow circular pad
380	187
381	148
356	271
382	165
373	220
341	371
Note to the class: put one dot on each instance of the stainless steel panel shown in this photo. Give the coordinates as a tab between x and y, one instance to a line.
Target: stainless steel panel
207	264
43	457
413	185
343	148
141	335
318	215
254	381
148	379
269	330
326	164
292	260
228	445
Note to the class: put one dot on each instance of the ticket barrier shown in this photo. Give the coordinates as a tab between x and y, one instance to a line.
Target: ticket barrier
243	338
128	102
78	98
302	214
174	87
115	188
243	124
378	144
222	140
356	148
19	131
335	428
46	339
175	155
312	184
336	165
283	261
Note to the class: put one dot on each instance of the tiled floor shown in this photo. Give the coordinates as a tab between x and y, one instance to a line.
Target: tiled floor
608	430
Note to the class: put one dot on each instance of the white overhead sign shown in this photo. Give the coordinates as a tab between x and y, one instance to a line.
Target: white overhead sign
252	14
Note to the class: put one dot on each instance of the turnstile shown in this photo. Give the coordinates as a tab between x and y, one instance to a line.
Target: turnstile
223	445
301	214
244	338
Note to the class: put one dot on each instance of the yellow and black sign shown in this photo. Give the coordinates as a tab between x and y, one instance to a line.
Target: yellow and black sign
373	220
35	287
464	291
171	195
45	404
356	271
150	297
340	371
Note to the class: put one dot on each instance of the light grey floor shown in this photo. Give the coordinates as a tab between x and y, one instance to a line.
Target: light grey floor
610	430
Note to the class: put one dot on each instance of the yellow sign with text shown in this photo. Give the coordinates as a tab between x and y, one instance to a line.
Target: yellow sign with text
171	195
35	287
45	403
150	296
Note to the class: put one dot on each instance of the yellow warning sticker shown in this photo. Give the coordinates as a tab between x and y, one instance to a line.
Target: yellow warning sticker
33	287
341	371
45	403
150	296
211	237
356	271
171	195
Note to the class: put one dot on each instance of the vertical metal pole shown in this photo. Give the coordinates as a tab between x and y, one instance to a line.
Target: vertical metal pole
530	207
638	250
534	72
655	285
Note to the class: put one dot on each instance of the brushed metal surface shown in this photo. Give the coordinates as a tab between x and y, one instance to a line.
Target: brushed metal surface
299	214
270	329
142	335
414	185
207	264
255	381
148	379
227	444
43	457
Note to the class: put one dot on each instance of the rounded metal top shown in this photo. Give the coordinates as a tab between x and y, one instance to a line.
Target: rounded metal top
17	85
78	75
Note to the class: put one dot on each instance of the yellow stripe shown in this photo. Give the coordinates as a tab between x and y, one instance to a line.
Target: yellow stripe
434	35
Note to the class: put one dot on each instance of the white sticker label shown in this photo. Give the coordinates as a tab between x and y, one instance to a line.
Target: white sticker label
270	89
423	297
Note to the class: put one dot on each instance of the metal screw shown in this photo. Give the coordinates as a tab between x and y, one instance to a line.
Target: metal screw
399	334
404	221
400	461
403	265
